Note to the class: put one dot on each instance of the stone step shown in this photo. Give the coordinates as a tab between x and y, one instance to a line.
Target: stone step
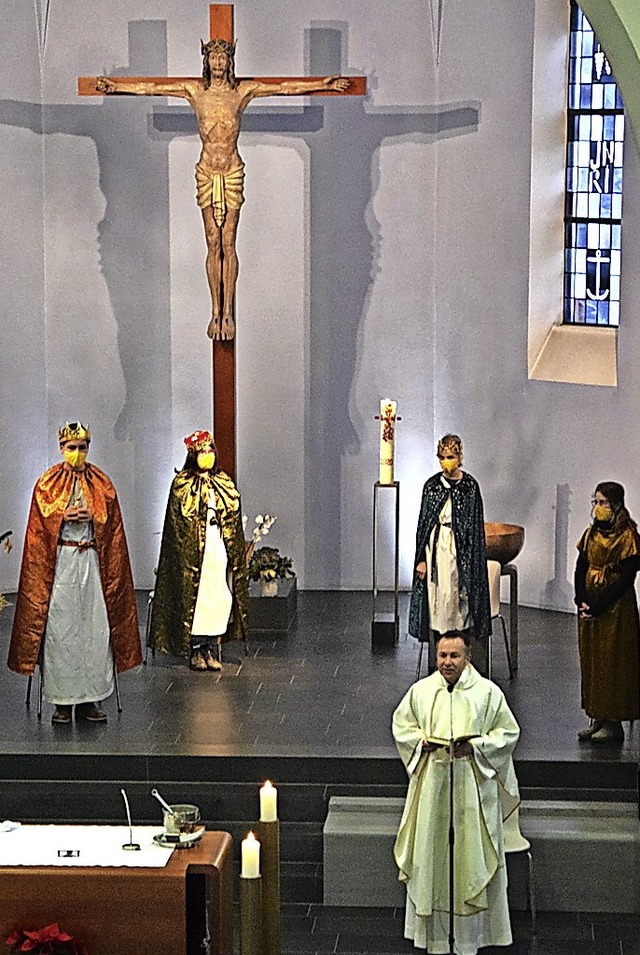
586	854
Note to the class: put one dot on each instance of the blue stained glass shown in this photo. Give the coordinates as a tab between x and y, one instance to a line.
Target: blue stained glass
593	182
592	313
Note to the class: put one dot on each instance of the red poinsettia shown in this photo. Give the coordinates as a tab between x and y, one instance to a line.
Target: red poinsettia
49	940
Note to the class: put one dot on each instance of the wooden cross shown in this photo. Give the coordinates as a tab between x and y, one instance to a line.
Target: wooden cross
221	27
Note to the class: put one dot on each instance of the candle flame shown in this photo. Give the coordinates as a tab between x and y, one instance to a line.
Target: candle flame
250	837
267	785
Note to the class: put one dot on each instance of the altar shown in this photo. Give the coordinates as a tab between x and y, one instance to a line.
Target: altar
119	910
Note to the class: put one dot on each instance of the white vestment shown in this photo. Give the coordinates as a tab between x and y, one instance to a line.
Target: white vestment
214	600
485	791
77	658
448	602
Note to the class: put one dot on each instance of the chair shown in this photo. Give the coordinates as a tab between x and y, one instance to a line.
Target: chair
493	570
40	687
514	844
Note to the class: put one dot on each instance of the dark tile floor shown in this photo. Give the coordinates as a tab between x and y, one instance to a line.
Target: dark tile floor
308	929
317	691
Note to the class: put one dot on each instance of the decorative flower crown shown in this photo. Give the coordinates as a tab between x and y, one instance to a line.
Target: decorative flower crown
198	440
73	431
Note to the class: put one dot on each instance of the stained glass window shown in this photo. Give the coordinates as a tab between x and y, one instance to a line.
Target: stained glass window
593	204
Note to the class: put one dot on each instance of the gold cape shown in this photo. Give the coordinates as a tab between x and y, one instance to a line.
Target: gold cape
50	498
608	643
181	553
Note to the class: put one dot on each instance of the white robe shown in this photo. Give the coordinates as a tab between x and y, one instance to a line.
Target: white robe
214	600
485	792
77	657
448	602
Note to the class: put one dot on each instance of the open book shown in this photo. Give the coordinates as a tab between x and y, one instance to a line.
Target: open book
439	741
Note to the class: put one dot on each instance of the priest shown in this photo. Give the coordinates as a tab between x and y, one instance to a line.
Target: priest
455	703
76	608
201	594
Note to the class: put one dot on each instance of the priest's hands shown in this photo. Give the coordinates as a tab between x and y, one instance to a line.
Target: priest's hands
428	747
421	569
462	749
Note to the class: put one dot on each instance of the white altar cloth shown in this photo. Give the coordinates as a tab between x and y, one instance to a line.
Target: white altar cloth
82	846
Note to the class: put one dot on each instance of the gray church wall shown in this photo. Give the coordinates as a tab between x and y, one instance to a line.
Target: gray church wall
23	391
383	253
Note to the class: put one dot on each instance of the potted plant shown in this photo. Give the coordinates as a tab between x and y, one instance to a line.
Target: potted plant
50	940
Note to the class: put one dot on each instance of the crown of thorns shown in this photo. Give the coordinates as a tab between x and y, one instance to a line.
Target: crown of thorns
214	46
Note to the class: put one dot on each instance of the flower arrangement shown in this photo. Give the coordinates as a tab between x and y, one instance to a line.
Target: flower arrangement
267	563
50	940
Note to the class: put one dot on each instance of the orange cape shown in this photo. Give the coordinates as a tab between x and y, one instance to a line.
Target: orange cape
50	498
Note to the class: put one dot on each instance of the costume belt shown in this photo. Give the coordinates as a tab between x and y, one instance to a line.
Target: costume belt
79	545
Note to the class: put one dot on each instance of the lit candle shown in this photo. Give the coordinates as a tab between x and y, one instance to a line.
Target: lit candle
250	857
387	439
268	803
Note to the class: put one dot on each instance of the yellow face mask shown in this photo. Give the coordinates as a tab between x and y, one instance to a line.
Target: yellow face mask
603	512
75	459
450	466
206	460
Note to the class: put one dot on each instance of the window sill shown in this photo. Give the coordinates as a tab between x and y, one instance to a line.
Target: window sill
581	355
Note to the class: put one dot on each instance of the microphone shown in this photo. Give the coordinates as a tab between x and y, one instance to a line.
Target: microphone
131	845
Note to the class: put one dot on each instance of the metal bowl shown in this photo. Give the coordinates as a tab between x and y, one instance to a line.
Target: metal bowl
503	542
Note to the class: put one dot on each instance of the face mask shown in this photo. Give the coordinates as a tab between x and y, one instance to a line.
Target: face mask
206	460
74	459
602	512
449	466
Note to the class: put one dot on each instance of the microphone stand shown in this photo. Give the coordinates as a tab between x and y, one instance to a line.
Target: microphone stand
130	845
451	825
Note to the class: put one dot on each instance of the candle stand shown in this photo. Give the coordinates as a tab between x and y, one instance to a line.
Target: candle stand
385	626
269	835
250	916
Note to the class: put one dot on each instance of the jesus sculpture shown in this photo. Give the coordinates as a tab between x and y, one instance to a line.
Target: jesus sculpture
219	101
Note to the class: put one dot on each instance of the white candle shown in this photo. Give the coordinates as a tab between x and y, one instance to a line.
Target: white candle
268	803
387	439
250	857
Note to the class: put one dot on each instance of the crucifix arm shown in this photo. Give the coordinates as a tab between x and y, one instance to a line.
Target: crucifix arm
105	84
297	87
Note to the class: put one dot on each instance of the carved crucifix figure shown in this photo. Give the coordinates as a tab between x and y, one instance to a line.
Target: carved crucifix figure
219	108
219	100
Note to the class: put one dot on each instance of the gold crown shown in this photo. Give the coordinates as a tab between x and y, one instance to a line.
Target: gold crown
198	440
73	431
